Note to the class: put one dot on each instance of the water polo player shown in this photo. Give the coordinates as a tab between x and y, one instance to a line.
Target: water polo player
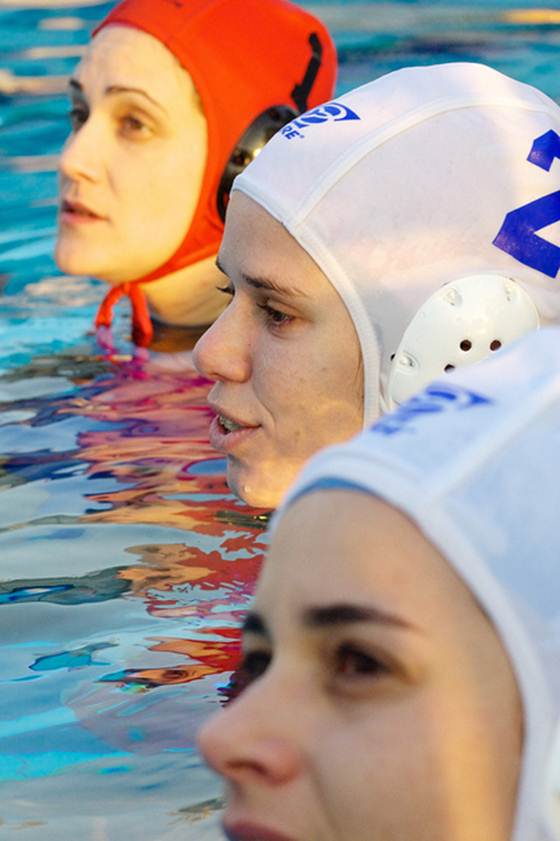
401	660
375	242
171	100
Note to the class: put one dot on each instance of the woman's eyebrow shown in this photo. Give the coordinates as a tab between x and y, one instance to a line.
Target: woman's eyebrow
272	286
116	89
266	283
113	90
350	614
327	616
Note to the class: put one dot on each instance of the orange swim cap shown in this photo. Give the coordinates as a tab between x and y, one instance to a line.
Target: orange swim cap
244	57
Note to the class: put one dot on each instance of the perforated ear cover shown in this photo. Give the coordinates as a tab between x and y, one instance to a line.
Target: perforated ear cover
462	322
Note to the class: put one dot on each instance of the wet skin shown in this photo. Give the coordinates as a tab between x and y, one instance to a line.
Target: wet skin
284	356
131	172
381	705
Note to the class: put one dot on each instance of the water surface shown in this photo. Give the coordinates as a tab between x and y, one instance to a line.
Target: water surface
125	564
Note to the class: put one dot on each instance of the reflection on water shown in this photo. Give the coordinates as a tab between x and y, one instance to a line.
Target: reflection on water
48	4
33	163
125	564
127	567
10	84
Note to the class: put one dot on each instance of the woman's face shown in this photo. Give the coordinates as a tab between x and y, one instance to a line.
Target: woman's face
131	171
284	356
380	704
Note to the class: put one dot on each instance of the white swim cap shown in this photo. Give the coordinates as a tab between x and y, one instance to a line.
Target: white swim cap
423	177
474	460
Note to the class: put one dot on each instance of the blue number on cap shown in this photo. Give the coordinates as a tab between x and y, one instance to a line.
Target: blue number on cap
544	150
518	236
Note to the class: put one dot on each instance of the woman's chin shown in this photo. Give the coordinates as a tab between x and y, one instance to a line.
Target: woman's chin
255	491
78	265
70	262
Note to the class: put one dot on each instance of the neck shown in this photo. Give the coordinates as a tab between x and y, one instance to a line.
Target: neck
188	297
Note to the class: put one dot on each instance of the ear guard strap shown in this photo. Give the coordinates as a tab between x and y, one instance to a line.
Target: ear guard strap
300	93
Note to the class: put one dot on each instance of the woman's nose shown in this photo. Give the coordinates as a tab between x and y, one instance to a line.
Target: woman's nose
81	156
246	742
224	352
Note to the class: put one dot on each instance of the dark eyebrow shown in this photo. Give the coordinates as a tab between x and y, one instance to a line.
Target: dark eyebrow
329	616
113	90
266	283
348	614
271	286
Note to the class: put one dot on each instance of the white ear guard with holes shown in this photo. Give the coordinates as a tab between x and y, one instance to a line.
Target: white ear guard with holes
463	322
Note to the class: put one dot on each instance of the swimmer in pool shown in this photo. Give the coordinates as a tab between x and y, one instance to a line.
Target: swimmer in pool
401	659
377	241
169	103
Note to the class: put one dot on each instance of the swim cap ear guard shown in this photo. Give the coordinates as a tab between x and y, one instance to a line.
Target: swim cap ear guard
461	323
248	147
267	124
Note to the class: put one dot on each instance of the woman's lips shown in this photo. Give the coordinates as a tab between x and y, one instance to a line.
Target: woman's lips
226	433
76	213
253	832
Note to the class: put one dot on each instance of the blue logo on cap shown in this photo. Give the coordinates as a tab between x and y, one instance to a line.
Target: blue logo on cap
435	399
518	235
332	112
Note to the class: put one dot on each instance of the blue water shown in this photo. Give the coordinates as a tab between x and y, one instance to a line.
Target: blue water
125	565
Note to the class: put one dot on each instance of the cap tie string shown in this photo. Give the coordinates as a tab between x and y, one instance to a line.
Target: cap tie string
142	330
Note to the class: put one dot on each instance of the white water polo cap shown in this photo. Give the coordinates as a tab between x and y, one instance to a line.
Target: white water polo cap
424	177
474	461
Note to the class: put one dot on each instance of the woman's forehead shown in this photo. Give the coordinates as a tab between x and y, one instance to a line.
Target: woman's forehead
342	545
256	245
127	57
250	227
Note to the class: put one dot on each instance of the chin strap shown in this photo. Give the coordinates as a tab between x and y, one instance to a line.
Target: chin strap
142	330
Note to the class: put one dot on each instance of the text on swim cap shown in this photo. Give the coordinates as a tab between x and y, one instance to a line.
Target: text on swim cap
435	399
332	112
518	234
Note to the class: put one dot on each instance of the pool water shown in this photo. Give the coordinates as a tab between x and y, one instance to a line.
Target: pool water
125	564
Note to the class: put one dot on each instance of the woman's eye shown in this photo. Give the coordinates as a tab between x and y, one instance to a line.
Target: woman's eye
275	317
227	290
353	662
78	117
253	665
134	127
